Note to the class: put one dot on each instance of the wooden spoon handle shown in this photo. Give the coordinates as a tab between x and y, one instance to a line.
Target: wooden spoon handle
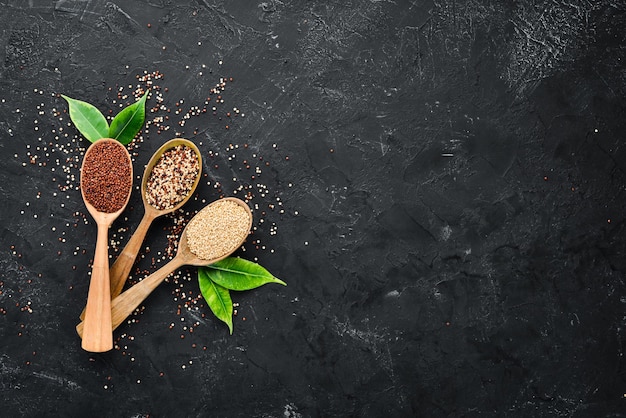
121	267
97	334
127	301
124	262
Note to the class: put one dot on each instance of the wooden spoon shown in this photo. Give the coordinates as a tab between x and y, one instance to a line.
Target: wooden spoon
97	336
124	304
125	260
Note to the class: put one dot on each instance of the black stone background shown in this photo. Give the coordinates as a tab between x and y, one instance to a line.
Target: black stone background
452	177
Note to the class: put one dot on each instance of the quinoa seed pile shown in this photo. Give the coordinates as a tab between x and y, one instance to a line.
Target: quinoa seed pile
172	177
218	229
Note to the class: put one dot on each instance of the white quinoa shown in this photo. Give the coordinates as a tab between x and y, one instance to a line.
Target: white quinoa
218	229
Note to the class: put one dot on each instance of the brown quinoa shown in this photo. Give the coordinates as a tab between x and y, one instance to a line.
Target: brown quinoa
172	177
218	229
106	176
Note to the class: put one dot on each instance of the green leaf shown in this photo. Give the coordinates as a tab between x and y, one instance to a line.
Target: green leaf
88	120
218	299
126	124
235	273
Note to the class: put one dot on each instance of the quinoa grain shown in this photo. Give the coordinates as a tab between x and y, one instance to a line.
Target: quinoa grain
172	177
217	229
106	176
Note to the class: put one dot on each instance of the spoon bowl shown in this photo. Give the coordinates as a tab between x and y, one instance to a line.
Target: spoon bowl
97	335
126	302
155	159
126	259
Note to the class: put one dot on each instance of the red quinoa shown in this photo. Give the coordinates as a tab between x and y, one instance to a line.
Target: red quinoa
106	176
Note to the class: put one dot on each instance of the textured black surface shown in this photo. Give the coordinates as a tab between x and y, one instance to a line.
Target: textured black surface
442	188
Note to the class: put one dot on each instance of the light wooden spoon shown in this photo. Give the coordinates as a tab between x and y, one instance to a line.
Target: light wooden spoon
124	304
97	336
126	259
